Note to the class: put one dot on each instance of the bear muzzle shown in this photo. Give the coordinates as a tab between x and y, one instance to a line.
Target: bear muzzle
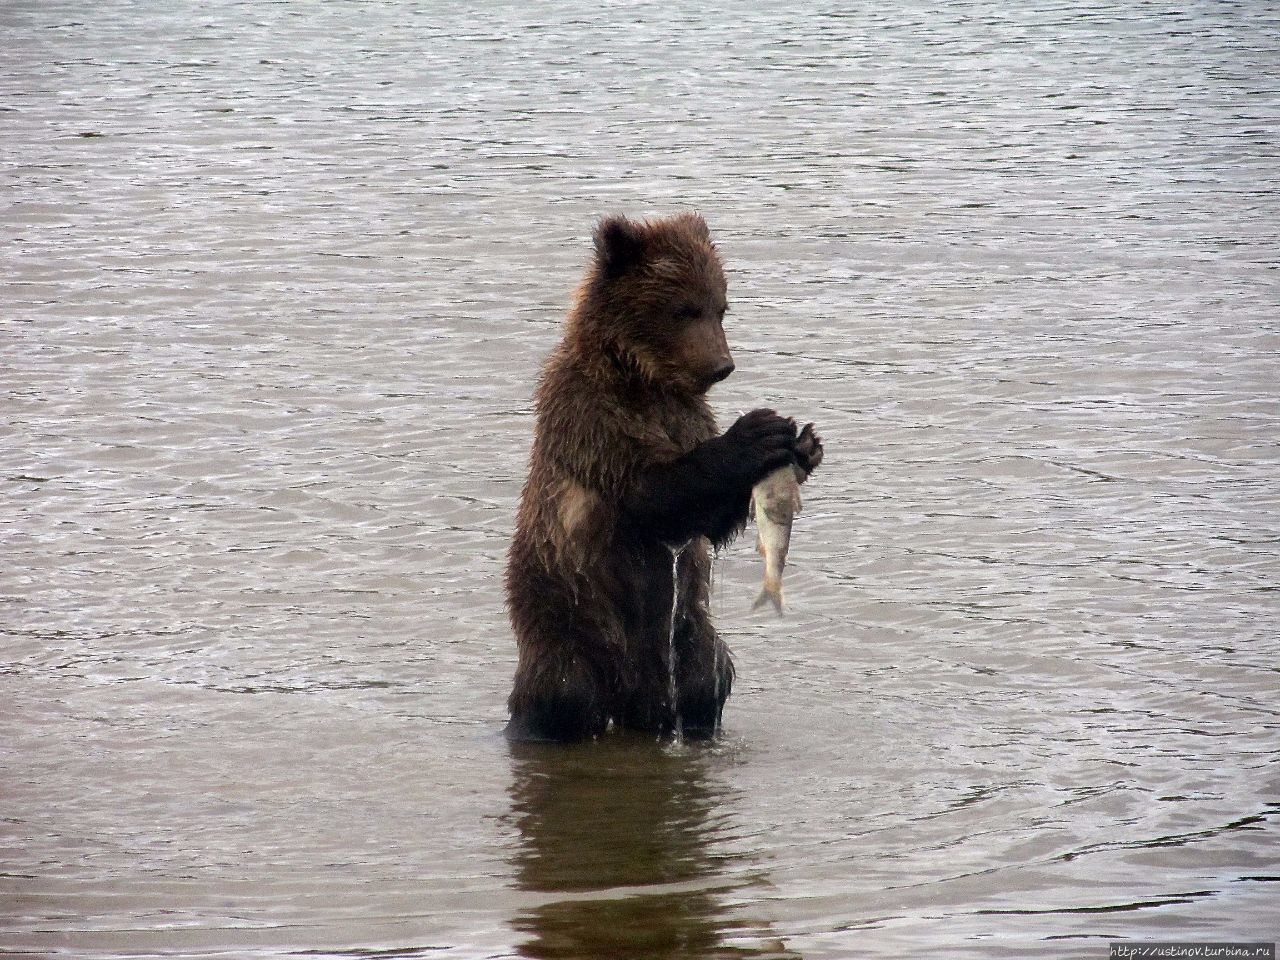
722	370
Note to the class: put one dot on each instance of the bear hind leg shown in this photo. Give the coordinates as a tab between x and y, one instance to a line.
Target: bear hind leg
704	680
560	698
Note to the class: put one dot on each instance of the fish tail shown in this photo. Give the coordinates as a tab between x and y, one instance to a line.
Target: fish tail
773	594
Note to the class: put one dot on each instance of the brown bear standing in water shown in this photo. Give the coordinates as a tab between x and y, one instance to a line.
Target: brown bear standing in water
629	484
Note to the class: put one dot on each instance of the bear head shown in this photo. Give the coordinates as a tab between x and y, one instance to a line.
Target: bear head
655	296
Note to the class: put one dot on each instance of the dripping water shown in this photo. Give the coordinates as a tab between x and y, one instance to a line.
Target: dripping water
672	692
713	592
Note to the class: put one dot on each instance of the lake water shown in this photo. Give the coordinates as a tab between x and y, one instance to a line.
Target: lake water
276	283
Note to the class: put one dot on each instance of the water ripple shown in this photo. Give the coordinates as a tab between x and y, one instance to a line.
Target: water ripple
277	283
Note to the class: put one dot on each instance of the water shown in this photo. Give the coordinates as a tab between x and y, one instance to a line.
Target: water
673	694
277	279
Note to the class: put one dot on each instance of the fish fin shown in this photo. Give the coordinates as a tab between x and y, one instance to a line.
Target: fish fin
772	596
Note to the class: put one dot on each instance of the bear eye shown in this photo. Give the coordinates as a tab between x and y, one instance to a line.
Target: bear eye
688	312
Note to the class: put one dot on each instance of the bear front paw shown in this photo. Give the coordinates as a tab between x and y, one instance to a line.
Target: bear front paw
761	441
808	450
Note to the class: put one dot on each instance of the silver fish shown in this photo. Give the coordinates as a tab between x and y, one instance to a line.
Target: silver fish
775	501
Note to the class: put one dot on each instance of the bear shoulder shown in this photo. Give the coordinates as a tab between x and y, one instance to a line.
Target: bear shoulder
587	434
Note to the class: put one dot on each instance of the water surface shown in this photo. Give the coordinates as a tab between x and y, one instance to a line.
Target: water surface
277	279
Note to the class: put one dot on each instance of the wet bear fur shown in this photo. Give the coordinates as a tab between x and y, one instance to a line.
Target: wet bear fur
630	485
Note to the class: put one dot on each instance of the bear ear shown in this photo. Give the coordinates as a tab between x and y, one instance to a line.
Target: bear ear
619	245
697	226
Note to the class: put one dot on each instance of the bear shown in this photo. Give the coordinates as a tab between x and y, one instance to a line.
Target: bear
630	485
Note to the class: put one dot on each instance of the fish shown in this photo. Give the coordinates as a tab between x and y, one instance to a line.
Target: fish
775	501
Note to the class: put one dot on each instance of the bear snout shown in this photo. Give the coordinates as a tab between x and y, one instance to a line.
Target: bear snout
722	370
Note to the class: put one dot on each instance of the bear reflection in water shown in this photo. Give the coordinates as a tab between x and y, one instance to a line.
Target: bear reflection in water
628	468
621	834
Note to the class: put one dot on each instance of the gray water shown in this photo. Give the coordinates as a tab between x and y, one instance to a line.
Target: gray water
277	279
